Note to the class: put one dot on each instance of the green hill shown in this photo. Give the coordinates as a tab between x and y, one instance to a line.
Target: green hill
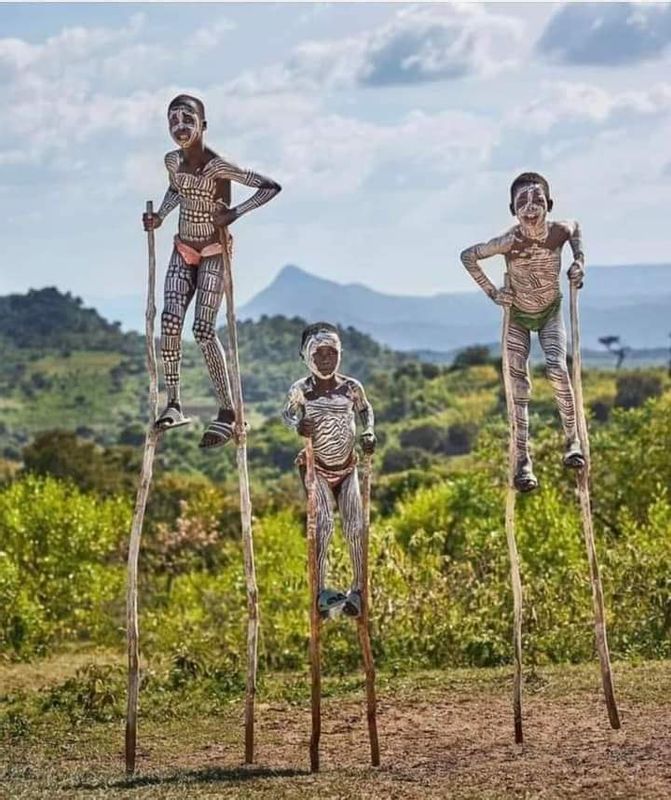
66	367
47	318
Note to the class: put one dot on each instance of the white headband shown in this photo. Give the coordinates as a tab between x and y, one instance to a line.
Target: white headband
316	340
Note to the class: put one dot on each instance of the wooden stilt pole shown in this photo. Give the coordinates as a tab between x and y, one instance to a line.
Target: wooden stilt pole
363	622
151	438
315	621
510	528
586	512
245	502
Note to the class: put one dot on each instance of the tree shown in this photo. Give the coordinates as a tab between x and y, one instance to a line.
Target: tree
613	345
476	355
62	454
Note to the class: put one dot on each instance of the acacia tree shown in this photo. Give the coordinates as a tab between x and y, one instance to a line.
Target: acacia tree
614	346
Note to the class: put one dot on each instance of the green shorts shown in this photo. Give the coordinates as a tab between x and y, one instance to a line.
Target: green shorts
537	320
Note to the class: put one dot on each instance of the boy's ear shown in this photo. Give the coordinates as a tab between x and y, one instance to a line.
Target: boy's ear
204	124
551	203
512	209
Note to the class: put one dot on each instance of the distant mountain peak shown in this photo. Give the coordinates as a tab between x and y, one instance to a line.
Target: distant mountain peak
292	275
632	300
292	271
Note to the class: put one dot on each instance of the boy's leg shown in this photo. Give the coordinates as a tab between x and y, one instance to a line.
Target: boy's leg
208	301
552	337
180	285
518	344
351	517
325	523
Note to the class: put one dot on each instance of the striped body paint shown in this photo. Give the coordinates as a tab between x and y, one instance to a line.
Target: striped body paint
199	183
328	407
532	251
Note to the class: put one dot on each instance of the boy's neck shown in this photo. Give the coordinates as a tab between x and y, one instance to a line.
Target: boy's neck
538	233
195	154
324	384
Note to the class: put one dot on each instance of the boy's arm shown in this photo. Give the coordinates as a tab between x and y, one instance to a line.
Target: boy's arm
294	407
170	200
494	247
266	189
576	271
366	415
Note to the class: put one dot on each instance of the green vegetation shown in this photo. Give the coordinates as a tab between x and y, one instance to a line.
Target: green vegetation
72	431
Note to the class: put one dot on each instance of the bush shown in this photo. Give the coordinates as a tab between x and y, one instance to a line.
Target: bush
476	355
60	577
456	439
398	459
634	388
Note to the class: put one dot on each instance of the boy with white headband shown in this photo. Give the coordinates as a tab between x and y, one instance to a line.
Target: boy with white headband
532	250
322	406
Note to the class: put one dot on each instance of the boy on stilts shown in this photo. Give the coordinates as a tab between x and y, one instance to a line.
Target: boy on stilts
532	250
199	183
323	406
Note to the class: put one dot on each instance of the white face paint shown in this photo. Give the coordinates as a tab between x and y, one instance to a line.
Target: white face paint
185	125
531	209
313	343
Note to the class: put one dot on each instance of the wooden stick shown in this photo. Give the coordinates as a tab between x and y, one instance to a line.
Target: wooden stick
315	621
510	527
363	621
586	512
245	502
151	438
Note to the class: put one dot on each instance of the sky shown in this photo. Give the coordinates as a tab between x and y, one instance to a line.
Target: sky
394	129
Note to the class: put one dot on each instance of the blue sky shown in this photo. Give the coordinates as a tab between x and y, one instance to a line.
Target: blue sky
395	130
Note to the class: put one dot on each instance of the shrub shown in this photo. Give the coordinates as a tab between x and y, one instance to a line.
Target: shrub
634	388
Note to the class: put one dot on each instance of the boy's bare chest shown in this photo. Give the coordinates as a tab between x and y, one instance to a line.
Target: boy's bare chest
534	257
334	405
190	185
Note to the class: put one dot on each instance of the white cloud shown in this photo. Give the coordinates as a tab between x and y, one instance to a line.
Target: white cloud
81	82
564	102
607	34
419	44
211	36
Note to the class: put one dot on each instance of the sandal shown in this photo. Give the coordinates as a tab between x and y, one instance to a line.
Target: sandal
217	434
171	417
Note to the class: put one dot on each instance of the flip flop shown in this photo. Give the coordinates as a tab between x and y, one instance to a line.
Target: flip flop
171	418
217	434
574	458
330	602
352	605
525	482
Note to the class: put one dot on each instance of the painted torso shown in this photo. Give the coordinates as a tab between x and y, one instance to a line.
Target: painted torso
335	424
200	194
534	267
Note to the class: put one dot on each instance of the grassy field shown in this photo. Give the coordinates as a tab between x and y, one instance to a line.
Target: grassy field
443	734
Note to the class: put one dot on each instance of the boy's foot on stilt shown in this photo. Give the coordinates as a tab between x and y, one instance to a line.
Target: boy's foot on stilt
330	602
352	605
220	430
525	480
171	417
573	456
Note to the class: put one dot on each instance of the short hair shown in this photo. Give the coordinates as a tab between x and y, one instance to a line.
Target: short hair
525	179
315	328
188	100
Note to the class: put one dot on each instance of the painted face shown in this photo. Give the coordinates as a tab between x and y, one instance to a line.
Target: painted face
321	353
326	359
531	206
185	124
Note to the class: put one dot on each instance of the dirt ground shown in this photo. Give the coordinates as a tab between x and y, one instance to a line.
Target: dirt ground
439	739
